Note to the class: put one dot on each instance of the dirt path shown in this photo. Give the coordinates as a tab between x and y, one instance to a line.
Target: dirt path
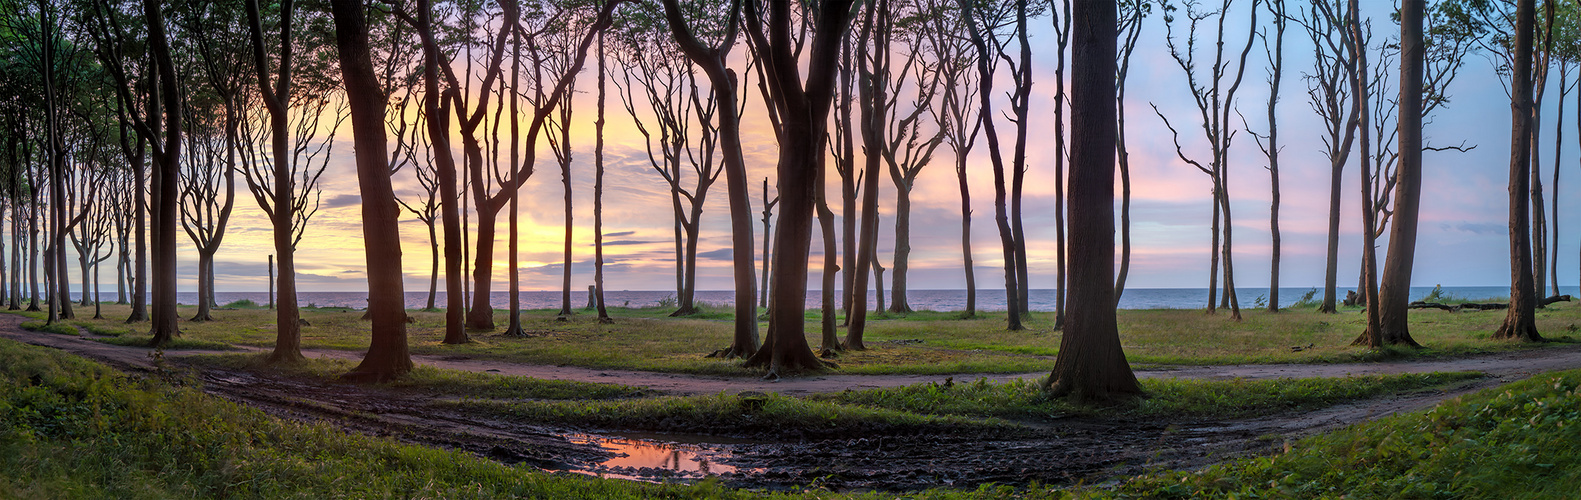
1060	451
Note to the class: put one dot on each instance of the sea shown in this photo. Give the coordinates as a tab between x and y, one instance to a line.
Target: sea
935	300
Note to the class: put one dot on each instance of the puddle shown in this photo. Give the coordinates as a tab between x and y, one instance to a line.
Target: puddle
651	457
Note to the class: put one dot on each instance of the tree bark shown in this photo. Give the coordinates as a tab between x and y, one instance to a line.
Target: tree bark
387	356
803	106
1091	363
723	83
1521	320
164	307
1394	292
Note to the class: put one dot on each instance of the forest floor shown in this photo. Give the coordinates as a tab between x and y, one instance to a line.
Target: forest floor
1060	449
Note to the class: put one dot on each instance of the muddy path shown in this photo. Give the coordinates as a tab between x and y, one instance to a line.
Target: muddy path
1053	451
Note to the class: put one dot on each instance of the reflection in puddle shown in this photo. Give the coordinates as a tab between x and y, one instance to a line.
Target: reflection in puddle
648	459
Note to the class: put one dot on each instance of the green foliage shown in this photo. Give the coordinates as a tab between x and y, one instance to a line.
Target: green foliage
1518	441
242	304
1306	301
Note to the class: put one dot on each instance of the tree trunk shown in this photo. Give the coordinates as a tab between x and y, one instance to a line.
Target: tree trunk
565	181
768	216
1091	364
803	107
433	264
723	84
387	356
288	330
598	193
966	236
205	287
1394	292
164	310
1520	322
436	114
1001	218
1559	148
897	288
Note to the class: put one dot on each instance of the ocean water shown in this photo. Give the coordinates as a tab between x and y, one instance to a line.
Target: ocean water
936	300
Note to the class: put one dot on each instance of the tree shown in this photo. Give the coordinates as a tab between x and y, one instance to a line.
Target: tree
957	119
980	25
802	105
904	148
160	127
1214	103
724	86
1269	144
1394	292
1130	27
687	136
1328	93
387	355
1091	363
285	182
598	192
1521	320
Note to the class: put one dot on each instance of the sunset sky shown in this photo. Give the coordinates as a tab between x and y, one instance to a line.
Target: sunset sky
1463	239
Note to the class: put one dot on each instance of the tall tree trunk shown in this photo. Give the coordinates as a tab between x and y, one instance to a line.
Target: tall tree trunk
1520	322
897	288
598	192
966	236
991	134
288	330
1559	148
436	111
1360	92
768	217
565	181
744	343
387	356
1394	293
513	326
164	310
1091	362
803	105
831	269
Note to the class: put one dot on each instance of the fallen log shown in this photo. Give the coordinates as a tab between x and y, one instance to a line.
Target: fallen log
1553	299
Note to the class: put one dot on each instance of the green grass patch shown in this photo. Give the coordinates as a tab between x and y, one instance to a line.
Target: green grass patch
55	328
728	414
923	342
100	328
176	344
1167	398
428	378
70	428
1518	441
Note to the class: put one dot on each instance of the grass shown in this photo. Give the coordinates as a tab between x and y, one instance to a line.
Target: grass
428	378
981	404
1518	441
924	342
70	428
176	344
1169	399
729	415
55	328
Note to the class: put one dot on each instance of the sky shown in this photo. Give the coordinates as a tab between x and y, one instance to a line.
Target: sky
1463	239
